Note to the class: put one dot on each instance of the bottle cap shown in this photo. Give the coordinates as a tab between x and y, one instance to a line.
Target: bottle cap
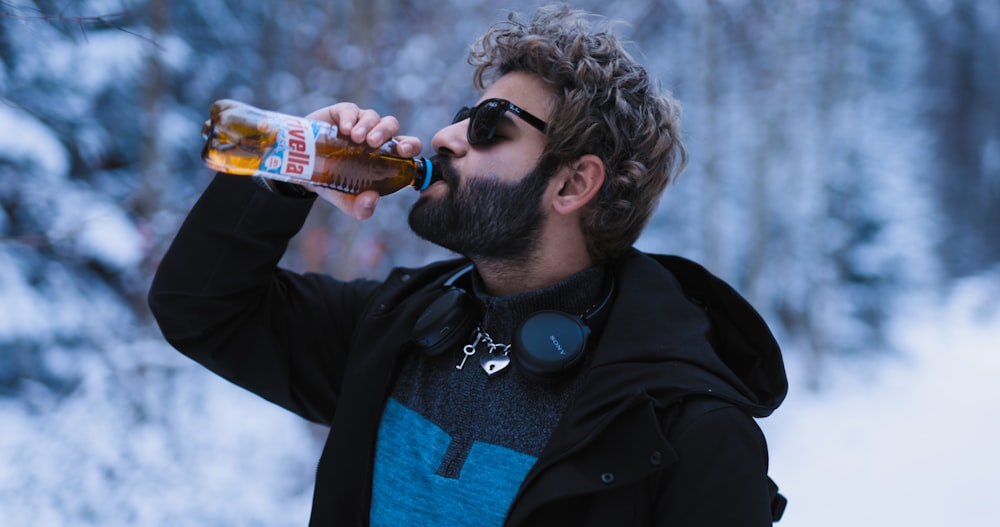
430	175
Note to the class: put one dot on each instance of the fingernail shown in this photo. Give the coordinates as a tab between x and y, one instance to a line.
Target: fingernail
368	202
377	137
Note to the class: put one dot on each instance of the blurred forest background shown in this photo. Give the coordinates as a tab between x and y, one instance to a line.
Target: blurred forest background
842	153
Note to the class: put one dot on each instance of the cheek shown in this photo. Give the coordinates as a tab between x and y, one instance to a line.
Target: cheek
507	168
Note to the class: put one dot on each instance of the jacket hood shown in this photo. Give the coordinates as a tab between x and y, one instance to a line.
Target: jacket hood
693	334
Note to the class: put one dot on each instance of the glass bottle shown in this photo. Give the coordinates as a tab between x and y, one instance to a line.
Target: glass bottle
244	140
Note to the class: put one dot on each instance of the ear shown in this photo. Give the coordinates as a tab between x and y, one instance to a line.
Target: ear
578	183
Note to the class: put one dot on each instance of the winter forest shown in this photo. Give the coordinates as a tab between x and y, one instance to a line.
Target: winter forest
844	171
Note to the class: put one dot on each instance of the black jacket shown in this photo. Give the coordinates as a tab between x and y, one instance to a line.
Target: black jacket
661	432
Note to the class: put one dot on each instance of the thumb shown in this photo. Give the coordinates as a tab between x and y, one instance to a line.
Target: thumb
360	207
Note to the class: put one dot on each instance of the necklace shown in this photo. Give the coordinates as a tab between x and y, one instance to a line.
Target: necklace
493	362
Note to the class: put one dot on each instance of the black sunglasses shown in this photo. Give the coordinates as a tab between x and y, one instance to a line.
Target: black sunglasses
484	118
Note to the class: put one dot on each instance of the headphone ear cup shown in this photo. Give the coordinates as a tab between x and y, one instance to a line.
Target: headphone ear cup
550	343
446	323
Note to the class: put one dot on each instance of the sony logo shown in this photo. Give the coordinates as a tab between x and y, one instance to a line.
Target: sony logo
555	342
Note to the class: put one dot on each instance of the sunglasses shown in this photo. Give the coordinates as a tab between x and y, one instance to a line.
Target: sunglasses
484	118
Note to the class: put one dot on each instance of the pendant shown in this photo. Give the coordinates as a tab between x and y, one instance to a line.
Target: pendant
493	364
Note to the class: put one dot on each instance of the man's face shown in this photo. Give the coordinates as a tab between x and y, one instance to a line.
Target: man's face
490	202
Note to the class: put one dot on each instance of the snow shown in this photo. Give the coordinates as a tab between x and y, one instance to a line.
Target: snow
903	440
44	301
18	318
98	59
152	442
98	227
33	144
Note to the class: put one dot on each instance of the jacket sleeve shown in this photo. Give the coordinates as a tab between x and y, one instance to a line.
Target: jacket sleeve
220	298
720	477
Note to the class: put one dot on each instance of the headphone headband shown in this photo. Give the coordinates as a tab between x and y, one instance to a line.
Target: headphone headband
458	274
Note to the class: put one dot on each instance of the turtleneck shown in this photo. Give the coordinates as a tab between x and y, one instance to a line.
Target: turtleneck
574	295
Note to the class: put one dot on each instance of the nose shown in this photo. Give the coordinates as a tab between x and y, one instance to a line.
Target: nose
451	140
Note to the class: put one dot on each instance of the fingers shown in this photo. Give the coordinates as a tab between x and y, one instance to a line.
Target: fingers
372	129
366	126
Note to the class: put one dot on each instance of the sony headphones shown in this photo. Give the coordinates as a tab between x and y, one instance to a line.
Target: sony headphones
546	344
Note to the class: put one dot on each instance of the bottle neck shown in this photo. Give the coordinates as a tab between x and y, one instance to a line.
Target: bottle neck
428	173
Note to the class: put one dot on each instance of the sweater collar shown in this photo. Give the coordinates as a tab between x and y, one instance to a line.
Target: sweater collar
574	295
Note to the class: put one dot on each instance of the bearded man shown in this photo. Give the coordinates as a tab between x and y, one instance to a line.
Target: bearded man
550	374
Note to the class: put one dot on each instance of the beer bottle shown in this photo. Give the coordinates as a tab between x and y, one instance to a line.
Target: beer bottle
244	140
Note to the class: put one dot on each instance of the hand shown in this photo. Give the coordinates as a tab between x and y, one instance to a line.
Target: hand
362	126
360	207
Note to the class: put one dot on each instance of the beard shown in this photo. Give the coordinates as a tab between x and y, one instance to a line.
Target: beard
485	218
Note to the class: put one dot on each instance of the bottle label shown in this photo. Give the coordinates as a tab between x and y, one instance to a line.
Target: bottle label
294	153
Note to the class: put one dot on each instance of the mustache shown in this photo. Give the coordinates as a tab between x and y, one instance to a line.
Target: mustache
448	173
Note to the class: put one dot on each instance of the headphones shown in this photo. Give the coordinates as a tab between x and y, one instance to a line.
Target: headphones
546	344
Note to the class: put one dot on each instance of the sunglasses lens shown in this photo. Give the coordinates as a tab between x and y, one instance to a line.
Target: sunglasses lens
462	114
485	118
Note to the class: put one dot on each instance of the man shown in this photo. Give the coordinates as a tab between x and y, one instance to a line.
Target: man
563	378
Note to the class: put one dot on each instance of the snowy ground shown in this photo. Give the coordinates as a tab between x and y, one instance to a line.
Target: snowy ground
909	440
148	439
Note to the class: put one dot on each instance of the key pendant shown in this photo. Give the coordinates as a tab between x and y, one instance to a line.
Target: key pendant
469	350
494	364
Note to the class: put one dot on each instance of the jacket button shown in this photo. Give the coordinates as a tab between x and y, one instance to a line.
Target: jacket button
607	478
405	278
656	457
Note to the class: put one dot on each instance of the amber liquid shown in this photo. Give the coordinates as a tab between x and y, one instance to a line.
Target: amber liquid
240	138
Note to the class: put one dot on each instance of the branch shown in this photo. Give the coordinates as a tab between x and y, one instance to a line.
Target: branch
110	20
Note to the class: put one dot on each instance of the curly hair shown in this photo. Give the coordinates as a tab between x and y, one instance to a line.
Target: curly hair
605	105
